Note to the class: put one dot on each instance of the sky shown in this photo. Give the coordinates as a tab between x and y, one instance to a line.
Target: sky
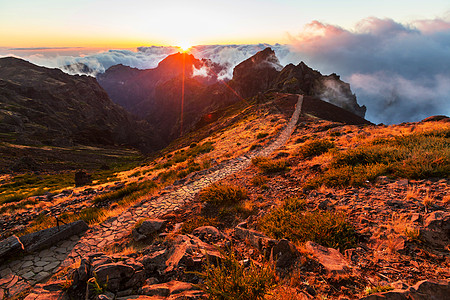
394	54
133	23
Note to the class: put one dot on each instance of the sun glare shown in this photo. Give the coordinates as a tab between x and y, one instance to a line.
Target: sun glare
185	46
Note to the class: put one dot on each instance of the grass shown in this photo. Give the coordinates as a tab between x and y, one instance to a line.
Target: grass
230	280
94	215
223	194
290	221
315	148
378	289
136	189
259	180
28	185
198	221
267	165
414	156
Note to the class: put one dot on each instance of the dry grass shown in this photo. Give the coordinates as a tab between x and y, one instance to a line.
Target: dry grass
428	200
268	165
412	193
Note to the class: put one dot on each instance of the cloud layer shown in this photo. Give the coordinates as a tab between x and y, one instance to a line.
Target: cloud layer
401	72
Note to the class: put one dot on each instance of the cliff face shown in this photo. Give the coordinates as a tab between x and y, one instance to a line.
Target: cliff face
46	106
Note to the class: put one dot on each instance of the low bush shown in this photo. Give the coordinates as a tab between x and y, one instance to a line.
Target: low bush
223	194
230	280
268	165
291	222
315	148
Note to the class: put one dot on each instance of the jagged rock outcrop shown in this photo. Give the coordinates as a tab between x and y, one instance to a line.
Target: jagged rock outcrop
39	105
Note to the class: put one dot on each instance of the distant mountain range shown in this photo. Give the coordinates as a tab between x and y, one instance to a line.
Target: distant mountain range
146	109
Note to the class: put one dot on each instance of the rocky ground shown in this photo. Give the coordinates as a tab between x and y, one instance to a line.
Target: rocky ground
146	252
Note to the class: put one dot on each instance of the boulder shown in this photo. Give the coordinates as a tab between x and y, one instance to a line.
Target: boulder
151	226
256	238
115	275
189	252
48	237
10	246
436	229
285	253
166	289
331	259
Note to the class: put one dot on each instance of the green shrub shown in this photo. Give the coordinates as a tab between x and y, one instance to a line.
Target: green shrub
223	194
268	165
315	148
230	280
289	221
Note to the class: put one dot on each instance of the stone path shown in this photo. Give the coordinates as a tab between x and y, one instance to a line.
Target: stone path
37	267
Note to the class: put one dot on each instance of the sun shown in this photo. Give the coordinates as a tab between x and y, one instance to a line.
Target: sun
185	46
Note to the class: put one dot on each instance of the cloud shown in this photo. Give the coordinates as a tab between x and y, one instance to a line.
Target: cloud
399	71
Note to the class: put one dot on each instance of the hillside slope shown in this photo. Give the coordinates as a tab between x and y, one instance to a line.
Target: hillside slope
46	106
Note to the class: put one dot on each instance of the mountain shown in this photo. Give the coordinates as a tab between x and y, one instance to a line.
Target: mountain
263	71
39	105
156	94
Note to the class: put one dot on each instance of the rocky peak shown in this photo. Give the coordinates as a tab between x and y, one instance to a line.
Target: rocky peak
257	73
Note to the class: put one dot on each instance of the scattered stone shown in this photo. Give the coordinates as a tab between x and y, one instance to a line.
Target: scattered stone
208	233
331	259
436	229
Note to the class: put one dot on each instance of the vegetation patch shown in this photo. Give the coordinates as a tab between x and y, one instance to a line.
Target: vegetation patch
290	221
223	194
268	165
136	189
230	280
378	289
315	148
259	180
415	156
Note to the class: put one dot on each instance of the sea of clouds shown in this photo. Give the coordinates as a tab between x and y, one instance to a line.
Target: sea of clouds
401	72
